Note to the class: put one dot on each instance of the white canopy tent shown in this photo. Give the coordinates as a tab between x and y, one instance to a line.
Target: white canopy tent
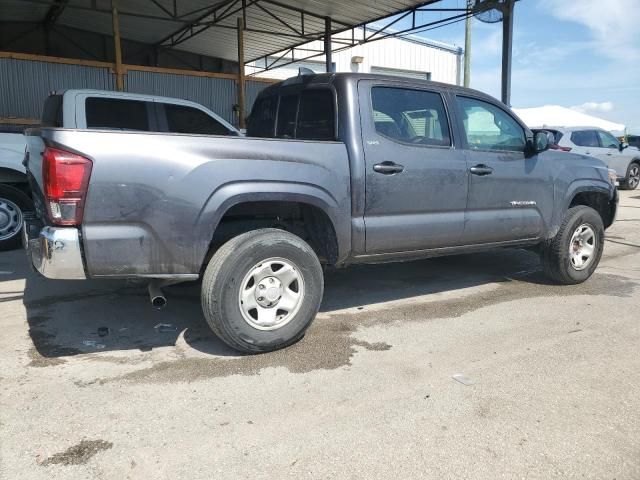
557	116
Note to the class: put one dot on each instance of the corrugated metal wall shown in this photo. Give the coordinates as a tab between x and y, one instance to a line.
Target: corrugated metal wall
252	89
25	84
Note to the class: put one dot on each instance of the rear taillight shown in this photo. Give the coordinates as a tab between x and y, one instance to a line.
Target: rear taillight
558	147
66	178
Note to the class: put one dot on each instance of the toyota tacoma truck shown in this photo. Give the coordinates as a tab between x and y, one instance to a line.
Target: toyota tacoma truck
336	169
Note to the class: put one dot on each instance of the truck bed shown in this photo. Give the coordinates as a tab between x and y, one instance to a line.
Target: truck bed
155	199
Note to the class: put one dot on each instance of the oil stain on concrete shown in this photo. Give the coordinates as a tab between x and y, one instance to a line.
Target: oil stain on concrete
351	302
325	348
331	342
77	454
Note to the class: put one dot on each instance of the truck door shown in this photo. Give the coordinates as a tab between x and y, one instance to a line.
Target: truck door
510	195
416	181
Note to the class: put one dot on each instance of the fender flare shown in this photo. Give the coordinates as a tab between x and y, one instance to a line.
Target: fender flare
234	193
576	187
580	186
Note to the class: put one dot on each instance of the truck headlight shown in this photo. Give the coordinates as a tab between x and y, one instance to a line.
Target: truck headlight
613	177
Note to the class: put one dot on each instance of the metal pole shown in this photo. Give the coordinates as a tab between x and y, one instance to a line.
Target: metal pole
116	45
327	44
507	43
467	47
241	82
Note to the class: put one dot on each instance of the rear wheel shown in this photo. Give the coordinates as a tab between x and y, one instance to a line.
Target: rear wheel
574	253
632	180
13	204
261	290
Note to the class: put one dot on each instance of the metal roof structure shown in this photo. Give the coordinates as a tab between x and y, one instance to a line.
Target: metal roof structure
209	27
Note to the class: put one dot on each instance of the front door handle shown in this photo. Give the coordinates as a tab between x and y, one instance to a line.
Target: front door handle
388	168
481	170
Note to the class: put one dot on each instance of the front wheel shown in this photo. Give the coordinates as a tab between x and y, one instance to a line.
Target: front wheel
13	204
574	253
261	290
632	180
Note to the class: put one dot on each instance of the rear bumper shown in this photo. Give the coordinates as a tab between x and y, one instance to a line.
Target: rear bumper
54	252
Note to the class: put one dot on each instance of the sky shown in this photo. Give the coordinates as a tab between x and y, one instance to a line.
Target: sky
583	54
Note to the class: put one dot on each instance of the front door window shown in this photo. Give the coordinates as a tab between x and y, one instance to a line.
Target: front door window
488	127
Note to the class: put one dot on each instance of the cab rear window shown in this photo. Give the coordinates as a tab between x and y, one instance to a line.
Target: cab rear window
309	115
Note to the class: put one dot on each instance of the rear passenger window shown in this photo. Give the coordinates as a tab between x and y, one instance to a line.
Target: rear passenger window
182	119
585	138
287	113
316	115
411	116
110	113
261	122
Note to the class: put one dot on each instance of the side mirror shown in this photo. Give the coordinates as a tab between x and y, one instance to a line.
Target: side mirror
622	146
540	142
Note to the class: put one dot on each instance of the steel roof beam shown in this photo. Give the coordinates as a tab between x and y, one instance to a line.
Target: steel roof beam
404	13
169	13
185	17
278	19
310	37
303	11
200	25
54	12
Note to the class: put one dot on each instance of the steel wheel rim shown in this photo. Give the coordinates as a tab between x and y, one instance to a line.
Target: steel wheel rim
10	219
582	248
271	294
634	176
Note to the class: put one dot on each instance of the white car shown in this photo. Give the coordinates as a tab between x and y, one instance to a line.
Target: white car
625	160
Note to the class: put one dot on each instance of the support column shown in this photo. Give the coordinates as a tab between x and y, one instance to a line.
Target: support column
327	44
507	43
116	45
467	47
241	79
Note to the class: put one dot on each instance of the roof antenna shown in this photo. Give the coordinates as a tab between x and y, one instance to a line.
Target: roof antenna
305	71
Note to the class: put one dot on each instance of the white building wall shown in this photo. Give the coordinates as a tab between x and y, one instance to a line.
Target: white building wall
395	53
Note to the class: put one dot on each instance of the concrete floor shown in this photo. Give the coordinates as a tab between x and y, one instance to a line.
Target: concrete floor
552	377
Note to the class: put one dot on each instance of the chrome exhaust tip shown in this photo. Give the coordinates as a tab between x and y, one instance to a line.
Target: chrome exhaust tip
158	300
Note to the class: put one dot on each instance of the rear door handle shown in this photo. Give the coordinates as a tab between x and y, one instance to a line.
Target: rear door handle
388	168
481	170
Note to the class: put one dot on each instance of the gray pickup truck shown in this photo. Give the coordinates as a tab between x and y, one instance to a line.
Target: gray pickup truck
336	169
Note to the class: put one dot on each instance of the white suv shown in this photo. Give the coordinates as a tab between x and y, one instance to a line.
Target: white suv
599	143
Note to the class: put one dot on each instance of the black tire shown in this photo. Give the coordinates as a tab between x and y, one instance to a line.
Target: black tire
10	196
556	260
223	280
632	180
